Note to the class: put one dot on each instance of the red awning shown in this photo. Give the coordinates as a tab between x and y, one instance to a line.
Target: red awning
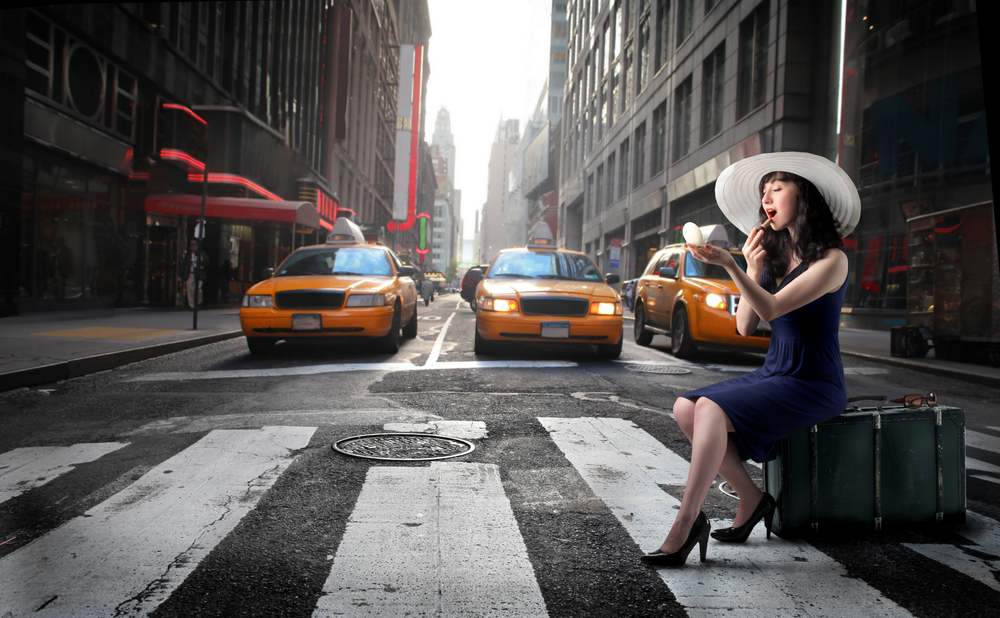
302	213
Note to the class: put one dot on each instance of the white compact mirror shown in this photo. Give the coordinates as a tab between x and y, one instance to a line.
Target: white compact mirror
692	234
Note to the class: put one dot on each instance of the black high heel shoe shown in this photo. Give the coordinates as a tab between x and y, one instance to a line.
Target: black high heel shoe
765	510
699	534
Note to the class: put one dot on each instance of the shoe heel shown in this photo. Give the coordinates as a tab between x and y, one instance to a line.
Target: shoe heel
704	546
768	520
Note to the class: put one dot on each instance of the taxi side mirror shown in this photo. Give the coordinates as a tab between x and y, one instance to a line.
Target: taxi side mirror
612	278
405	271
267	273
668	273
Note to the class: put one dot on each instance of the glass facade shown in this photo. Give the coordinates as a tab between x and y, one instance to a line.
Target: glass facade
913	137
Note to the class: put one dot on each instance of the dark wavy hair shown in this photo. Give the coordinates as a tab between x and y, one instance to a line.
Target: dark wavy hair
816	230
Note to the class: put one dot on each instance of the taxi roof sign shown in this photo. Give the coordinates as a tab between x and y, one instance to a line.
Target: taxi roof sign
541	237
346	232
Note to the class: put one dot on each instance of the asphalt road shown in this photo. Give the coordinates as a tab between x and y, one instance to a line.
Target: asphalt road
203	483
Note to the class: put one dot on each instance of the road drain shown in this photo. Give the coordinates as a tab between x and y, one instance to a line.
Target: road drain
403	447
671	369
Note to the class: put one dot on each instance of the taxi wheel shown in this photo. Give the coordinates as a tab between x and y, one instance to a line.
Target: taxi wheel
260	345
642	336
390	343
611	351
680	336
482	346
410	330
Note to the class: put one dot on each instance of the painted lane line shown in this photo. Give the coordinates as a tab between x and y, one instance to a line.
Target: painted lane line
337	368
126	555
436	350
439	540
985	533
623	466
23	469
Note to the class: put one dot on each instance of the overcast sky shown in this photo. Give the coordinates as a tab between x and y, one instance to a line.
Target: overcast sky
488	60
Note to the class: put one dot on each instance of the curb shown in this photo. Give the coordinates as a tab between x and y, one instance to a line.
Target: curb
947	372
77	367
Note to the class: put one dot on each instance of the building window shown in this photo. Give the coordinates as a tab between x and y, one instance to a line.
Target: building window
639	160
611	180
628	70
614	104
643	76
591	198
604	110
599	190
662	32
711	94
685	21
682	119
658	155
752	78
623	153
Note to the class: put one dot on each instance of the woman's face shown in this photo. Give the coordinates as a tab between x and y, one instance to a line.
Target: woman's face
780	201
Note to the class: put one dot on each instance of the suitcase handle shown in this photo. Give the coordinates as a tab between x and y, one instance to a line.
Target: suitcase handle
881	399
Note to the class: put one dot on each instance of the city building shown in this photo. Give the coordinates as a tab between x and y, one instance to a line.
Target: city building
119	117
446	218
493	224
661	96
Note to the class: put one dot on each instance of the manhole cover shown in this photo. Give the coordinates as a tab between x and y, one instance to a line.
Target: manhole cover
674	369
403	447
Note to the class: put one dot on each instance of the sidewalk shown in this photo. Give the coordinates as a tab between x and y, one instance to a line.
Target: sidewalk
41	348
44	347
873	345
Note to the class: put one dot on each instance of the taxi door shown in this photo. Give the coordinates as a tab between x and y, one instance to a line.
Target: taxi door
660	290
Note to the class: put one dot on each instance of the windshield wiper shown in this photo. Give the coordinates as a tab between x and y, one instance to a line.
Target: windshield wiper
513	276
554	277
344	272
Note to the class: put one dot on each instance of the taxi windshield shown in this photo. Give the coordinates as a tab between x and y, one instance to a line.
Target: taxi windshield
336	261
544	265
694	267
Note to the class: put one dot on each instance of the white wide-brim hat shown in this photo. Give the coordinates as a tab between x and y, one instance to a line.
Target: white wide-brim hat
737	189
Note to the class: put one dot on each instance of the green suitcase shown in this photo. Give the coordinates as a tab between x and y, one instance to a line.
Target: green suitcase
868	467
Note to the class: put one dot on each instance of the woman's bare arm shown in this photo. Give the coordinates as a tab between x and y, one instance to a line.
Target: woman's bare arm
823	276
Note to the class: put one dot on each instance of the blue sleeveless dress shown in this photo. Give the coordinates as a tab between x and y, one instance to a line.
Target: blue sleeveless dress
800	384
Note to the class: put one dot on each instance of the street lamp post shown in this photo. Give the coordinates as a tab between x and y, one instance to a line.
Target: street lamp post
200	227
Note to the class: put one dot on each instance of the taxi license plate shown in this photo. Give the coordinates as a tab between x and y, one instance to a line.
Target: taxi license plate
307	321
555	330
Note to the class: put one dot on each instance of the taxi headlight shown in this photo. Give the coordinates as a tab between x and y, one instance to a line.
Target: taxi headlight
715	301
368	300
501	305
258	300
606	308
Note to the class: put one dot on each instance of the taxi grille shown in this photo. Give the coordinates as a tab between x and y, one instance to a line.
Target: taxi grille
309	299
552	305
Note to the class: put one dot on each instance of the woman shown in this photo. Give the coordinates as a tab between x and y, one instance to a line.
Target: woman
796	278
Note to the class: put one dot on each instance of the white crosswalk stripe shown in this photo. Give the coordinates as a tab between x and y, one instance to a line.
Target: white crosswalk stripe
26	468
624	466
456	547
125	556
450	546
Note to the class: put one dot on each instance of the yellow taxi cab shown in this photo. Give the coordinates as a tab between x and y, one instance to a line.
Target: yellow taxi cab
543	294
345	288
692	302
